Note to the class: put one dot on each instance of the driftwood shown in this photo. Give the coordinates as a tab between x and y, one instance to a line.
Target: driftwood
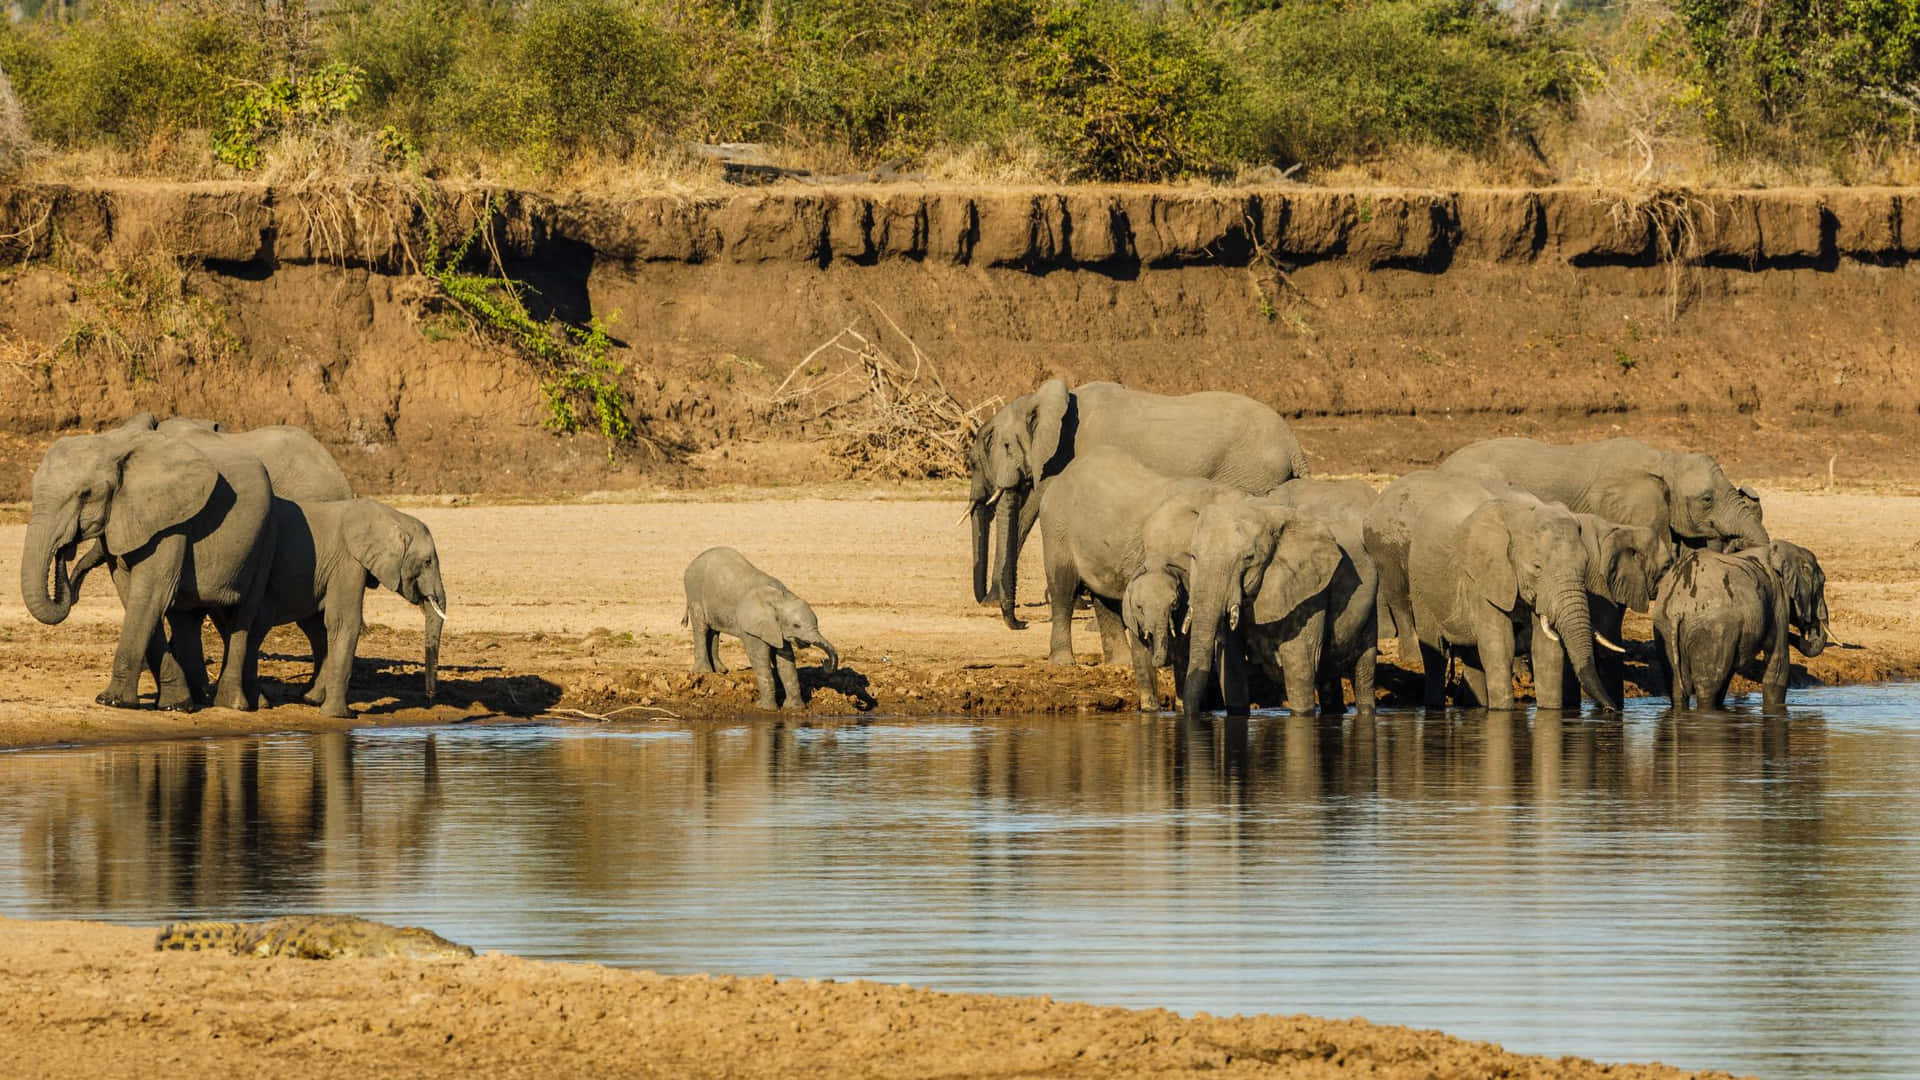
884	417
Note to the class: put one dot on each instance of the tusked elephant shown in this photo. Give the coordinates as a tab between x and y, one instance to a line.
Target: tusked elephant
1270	582
1624	566
1105	519
726	594
1622	480
1214	435
186	529
326	555
1477	566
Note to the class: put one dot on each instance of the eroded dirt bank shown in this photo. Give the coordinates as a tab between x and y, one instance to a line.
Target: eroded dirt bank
86	998
571	612
1773	328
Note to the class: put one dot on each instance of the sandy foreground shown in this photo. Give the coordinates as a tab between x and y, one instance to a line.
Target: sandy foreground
570	611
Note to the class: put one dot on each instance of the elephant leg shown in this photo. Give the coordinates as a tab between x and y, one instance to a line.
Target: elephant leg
189	654
1233	674
149	593
705	658
175	689
1332	696
760	656
1300	676
1607	619
314	627
1113	630
1177	660
1433	665
1549	670
1029	516
1496	667
1363	670
342	620
1063	581
789	678
230	692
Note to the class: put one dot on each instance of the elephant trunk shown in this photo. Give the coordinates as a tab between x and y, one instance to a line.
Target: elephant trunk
1812	638
833	655
1009	517
1739	522
1575	626
436	619
1215	601
49	548
980	519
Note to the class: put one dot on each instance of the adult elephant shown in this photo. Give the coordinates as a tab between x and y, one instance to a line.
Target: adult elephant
1277	579
1223	437
1477	566
1103	521
1624	566
1352	639
300	468
185	528
1624	481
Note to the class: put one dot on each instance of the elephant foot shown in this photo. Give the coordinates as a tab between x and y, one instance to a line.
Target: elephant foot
338	712
1061	659
184	704
1149	702
766	702
314	696
793	705
116	699
238	702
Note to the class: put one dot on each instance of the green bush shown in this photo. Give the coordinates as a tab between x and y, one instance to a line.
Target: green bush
1337	81
259	114
127	75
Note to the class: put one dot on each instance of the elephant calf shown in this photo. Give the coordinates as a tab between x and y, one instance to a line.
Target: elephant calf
326	555
1715	611
726	594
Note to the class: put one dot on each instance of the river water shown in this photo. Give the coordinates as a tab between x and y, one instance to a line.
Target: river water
1724	890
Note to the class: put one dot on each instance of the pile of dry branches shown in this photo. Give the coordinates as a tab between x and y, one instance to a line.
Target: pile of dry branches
883	417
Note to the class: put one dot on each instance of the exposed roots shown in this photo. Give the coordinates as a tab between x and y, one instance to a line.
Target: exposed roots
1674	218
882	417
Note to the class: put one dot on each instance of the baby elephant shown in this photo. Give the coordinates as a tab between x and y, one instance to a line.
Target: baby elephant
726	594
1714	611
326	555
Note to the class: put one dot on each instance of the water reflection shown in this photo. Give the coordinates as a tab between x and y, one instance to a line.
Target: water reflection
1713	890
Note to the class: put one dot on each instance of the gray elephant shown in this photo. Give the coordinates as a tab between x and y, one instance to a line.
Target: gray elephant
1267	581
1352	643
1714	612
1214	435
186	529
1477	566
300	468
726	594
1624	566
1625	481
1154	611
326	554
1103	520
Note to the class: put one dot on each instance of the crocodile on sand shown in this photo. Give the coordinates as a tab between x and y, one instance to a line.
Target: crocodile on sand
312	937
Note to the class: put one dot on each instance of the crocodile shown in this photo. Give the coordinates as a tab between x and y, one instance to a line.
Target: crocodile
311	937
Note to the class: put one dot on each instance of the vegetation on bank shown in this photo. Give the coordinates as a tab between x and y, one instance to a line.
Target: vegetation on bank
1141	90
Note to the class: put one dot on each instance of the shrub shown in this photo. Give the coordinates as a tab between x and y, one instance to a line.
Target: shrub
1334	81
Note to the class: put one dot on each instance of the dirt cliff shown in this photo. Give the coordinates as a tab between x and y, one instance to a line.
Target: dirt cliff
1772	327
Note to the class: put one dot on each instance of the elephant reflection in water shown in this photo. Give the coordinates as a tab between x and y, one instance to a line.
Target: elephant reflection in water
206	824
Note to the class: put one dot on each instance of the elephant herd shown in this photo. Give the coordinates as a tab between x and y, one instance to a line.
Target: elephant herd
1188	521
1191	525
253	530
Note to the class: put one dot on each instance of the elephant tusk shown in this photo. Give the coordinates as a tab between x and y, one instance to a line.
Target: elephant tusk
1186	623
436	609
1602	639
983	504
1547	628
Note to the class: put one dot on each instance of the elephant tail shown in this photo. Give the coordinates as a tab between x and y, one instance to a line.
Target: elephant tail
1299	459
686	617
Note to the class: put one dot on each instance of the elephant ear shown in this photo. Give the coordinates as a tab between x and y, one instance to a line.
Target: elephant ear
757	613
1305	558
1046	425
1632	497
1629	569
1487	560
377	542
1790	562
163	483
